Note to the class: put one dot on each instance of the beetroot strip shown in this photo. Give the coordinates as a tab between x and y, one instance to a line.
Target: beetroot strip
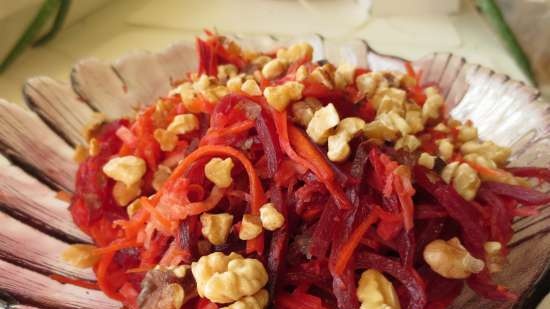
501	228
481	284
266	133
474	230
538	172
524	195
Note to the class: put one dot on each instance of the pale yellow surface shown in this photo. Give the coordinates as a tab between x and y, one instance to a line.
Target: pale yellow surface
123	25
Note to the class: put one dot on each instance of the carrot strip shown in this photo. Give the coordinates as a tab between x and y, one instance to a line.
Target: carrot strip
255	245
133	226
403	190
256	190
64	196
349	247
174	255
101	275
138	270
78	282
164	222
281	124
308	156
489	172
197	208
237	128
318	164
114	247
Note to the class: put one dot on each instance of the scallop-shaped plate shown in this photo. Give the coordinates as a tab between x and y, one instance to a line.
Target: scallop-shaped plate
36	147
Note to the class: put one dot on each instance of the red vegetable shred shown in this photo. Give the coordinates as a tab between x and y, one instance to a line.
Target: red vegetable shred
372	191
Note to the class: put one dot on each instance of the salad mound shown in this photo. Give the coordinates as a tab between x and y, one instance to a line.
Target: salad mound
269	180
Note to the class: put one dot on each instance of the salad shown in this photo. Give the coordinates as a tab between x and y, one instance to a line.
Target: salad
268	180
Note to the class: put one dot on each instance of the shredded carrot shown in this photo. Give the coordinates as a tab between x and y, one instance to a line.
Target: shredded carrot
165	224
133	226
410	70
197	208
255	245
489	172
138	270
307	156
321	168
125	150
64	196
256	190
101	275
216	134
403	189
355	238
174	255
77	282
114	247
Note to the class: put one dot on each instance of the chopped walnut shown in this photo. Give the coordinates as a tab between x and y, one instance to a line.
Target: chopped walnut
426	160
251	227
408	142
161	175
451	260
124	194
216	227
127	169
226	71
375	291
295	52
343	76
280	96
368	83
80	153
183	124
250	87
228	278
81	255
95	147
302	111
218	171
270	217
162	288
338	144
256	301
322	76
324	119
273	69
166	139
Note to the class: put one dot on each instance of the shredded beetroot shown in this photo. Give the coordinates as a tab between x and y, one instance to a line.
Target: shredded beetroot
482	284
268	137
279	243
474	229
376	209
501	216
524	195
441	292
533	172
321	238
